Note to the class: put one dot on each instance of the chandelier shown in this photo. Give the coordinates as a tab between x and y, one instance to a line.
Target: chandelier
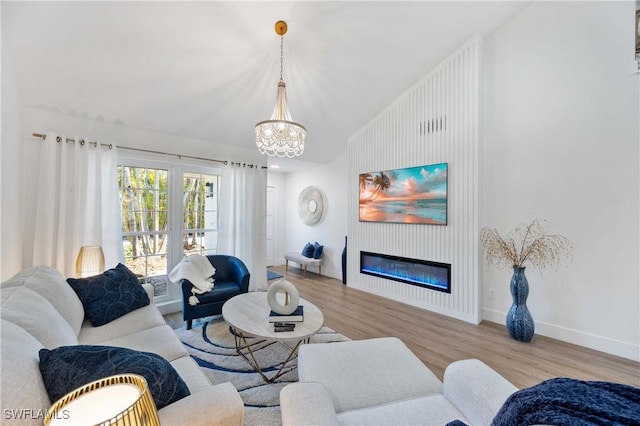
280	135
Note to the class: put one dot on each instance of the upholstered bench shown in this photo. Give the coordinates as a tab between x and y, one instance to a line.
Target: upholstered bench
303	261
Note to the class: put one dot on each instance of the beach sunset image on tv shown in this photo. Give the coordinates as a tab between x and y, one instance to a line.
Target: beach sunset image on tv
409	195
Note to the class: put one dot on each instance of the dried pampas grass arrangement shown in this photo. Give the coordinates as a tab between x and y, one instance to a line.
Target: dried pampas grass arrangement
527	243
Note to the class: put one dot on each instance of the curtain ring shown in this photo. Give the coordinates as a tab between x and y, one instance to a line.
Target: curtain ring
81	142
58	139
110	146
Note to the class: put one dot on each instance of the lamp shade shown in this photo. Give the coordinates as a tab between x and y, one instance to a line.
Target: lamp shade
123	399
90	261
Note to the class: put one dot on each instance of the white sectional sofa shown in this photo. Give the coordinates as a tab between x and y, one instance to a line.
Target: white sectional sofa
39	309
380	381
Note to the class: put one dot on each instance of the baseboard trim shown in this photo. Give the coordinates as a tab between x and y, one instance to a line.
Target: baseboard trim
577	337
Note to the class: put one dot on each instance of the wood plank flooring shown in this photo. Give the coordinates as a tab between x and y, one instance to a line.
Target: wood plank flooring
439	340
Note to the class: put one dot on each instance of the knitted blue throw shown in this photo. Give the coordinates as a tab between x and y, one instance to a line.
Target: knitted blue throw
570	402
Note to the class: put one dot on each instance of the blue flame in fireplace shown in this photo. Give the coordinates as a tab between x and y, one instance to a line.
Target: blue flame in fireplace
412	271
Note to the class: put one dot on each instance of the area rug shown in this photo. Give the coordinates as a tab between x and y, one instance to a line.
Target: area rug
272	275
213	348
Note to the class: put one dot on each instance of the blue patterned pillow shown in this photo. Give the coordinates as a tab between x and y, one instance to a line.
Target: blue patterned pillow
317	250
67	368
110	295
307	251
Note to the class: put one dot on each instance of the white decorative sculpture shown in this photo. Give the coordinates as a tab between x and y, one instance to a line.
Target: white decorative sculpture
291	297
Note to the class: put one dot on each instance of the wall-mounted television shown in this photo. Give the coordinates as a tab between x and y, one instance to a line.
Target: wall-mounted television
409	195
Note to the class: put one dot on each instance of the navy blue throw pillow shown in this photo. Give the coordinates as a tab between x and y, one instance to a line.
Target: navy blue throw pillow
317	250
67	368
110	295
307	251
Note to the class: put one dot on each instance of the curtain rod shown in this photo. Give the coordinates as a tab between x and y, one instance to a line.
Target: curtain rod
110	146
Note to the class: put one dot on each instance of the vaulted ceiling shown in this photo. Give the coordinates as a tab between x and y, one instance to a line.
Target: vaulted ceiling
208	70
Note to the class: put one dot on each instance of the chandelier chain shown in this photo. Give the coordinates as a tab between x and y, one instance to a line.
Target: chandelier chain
281	55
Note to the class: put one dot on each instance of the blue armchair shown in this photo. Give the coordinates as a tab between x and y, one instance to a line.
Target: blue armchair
231	279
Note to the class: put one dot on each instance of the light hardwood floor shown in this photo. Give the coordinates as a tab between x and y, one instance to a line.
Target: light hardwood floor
439	340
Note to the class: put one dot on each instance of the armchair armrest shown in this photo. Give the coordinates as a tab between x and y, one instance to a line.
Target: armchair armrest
240	273
307	404
476	390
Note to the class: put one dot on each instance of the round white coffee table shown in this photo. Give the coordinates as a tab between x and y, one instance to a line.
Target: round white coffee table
248	316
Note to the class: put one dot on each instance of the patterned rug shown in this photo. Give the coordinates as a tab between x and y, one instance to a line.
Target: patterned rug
272	275
213	348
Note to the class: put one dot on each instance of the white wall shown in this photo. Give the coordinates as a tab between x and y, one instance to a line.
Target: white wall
561	143
332	229
11	164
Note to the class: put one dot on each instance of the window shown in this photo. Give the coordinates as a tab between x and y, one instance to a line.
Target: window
144	194
168	211
200	213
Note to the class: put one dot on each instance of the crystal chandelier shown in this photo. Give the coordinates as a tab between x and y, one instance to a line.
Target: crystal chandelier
280	135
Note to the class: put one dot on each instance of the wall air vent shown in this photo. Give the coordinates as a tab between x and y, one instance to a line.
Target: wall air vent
432	125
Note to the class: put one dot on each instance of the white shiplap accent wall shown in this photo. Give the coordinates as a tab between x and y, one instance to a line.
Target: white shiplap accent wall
396	138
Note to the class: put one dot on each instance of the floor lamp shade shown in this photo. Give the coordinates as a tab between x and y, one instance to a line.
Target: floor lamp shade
123	399
90	261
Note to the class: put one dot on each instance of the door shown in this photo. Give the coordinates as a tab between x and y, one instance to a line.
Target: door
271	202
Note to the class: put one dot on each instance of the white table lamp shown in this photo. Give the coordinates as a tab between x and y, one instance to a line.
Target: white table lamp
90	261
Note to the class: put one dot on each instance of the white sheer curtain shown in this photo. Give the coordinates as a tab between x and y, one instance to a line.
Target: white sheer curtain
77	203
242	230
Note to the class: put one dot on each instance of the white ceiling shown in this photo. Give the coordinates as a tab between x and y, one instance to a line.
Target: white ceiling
208	70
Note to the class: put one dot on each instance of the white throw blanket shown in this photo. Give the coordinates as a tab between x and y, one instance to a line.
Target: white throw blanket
198	270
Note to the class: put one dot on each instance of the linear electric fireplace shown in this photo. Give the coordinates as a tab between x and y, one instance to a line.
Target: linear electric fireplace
422	273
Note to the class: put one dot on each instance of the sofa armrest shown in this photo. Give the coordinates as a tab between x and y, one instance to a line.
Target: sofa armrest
149	289
476	390
306	404
219	405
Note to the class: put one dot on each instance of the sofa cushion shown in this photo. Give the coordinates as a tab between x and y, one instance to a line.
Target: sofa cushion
69	367
110	295
32	312
141	319
50	284
160	340
22	386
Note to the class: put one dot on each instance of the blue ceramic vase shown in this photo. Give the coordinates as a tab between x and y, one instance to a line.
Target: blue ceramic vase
519	321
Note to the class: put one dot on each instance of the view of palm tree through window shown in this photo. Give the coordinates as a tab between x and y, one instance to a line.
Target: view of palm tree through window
147	236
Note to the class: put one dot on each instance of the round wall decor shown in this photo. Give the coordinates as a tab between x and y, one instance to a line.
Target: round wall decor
311	205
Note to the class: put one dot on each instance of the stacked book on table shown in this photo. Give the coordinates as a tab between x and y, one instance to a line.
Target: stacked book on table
296	316
286	322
